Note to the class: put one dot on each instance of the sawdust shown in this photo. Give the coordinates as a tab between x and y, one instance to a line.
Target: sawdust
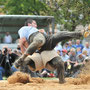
20	77
23	81
83	77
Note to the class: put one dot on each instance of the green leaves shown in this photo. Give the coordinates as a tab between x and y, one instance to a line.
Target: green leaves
67	12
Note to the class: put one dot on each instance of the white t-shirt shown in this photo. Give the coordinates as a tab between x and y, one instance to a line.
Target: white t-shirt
8	39
26	31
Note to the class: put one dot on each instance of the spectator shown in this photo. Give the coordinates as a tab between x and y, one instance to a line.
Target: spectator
78	51
87	48
65	58
79	45
58	49
80	61
72	59
7	38
87	58
6	60
70	45
17	52
66	46
84	52
78	65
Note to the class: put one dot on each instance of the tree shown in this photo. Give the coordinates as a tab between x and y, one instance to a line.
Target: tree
70	13
24	7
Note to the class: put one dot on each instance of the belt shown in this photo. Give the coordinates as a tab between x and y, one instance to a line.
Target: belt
33	34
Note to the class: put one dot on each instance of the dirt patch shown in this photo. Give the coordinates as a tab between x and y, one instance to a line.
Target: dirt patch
22	81
47	85
83	77
20	77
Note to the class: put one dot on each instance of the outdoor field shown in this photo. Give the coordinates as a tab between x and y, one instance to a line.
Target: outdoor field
46	85
43	41
21	81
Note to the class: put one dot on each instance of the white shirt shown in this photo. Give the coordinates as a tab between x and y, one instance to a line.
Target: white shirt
88	50
26	31
8	39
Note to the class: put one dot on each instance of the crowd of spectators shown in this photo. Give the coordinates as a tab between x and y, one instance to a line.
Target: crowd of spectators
7	58
74	55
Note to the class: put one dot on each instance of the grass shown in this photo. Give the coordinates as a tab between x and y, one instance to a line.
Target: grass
50	78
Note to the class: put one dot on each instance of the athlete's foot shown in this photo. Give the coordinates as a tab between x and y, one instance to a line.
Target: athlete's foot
20	61
62	82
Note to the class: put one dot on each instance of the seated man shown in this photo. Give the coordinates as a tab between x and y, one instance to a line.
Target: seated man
72	60
80	61
65	58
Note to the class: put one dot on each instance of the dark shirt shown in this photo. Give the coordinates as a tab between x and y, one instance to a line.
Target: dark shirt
7	60
73	58
80	60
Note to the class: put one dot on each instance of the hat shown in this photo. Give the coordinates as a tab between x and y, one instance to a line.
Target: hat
64	50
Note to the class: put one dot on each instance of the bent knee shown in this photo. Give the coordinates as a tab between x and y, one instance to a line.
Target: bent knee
57	62
39	43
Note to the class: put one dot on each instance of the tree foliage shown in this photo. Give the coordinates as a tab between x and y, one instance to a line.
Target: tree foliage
70	13
24	7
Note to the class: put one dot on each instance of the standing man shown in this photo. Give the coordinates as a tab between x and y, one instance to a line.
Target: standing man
7	38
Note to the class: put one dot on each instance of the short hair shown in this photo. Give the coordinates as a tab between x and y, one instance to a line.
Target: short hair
85	52
28	21
72	50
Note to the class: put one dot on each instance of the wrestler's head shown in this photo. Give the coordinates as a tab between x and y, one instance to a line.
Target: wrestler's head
31	22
